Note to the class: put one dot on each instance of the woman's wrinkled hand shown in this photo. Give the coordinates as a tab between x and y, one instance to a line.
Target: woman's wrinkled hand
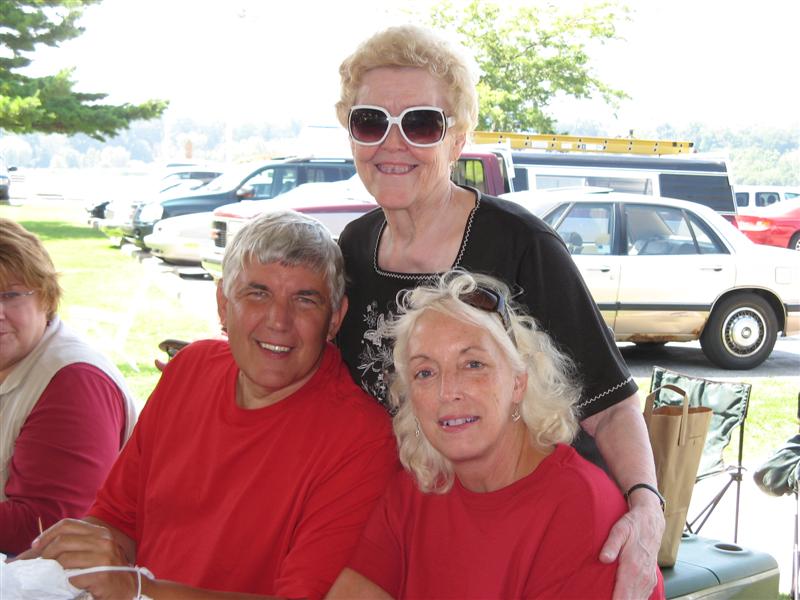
635	539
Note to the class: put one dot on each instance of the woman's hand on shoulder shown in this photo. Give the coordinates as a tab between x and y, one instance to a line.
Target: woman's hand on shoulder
635	540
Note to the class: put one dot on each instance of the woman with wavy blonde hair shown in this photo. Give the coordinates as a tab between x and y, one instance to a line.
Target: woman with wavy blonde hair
495	503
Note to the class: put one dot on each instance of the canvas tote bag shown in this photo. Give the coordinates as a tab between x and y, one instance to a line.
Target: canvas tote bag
677	435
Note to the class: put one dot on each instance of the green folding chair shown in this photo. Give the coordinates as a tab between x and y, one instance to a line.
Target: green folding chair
728	401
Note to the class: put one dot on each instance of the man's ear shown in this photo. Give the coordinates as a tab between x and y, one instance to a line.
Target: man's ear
337	316
222	304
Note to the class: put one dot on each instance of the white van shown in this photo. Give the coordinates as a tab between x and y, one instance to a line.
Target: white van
697	179
750	198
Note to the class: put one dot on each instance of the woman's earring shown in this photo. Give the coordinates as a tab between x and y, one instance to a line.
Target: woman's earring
515	416
416	431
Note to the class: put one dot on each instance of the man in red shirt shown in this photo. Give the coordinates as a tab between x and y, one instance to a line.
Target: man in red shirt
256	461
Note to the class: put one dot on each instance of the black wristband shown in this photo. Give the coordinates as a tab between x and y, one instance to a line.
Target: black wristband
647	486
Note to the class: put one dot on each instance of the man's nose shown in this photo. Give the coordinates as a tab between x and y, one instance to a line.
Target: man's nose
278	314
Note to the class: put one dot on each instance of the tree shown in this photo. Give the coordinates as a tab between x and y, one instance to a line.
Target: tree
529	56
49	104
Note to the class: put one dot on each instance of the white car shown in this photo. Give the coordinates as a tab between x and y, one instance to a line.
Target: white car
180	239
666	270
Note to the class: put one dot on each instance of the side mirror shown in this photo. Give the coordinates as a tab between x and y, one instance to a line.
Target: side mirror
245	192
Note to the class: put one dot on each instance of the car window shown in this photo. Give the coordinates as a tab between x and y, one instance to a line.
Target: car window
587	228
470	172
706	240
655	230
547	182
324	173
713	191
261	184
285	179
521	179
742	198
555	215
766	198
789	195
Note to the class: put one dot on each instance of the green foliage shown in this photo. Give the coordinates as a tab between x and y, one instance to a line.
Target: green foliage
530	56
758	155
49	104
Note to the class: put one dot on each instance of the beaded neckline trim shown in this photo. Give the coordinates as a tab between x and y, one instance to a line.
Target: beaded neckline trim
417	276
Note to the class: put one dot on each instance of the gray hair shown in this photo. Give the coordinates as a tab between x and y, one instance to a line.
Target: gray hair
415	46
548	407
289	238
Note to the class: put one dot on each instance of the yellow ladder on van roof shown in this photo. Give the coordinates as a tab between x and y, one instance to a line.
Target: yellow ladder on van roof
582	143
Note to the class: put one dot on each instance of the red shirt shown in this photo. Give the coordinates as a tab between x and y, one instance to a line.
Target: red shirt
540	537
63	453
268	501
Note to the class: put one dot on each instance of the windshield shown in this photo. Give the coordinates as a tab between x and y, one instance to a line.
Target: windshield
230	179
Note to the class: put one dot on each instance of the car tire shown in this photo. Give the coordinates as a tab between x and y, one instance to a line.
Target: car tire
741	332
794	243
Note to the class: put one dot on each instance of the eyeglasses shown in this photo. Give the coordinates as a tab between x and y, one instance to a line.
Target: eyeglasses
488	300
420	126
12	299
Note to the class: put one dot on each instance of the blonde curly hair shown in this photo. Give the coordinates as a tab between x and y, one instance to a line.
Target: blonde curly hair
548	407
415	46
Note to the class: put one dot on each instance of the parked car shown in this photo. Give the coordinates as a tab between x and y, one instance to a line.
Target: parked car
751	199
698	179
245	182
776	225
180	240
335	204
176	178
665	270
5	180
188	178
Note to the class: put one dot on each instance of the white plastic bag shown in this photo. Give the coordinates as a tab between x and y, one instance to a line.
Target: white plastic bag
36	579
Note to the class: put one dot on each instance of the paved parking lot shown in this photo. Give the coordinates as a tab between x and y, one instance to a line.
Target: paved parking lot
689	358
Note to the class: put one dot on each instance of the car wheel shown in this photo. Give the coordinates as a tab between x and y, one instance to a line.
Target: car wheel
740	333
794	243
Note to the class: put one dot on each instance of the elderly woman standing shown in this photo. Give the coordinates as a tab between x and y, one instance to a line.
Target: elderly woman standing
496	504
409	102
65	410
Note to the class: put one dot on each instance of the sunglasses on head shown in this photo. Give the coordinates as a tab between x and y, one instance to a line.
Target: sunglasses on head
420	126
488	300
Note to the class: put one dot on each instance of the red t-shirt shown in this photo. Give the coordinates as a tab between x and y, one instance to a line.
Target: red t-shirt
268	501
540	537
63	453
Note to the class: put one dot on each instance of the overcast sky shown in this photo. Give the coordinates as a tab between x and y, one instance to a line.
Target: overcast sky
722	62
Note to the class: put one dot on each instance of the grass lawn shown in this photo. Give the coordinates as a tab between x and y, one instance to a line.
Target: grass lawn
108	296
771	418
111	298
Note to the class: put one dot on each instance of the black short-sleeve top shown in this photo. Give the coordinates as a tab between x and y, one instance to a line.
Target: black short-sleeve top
504	240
